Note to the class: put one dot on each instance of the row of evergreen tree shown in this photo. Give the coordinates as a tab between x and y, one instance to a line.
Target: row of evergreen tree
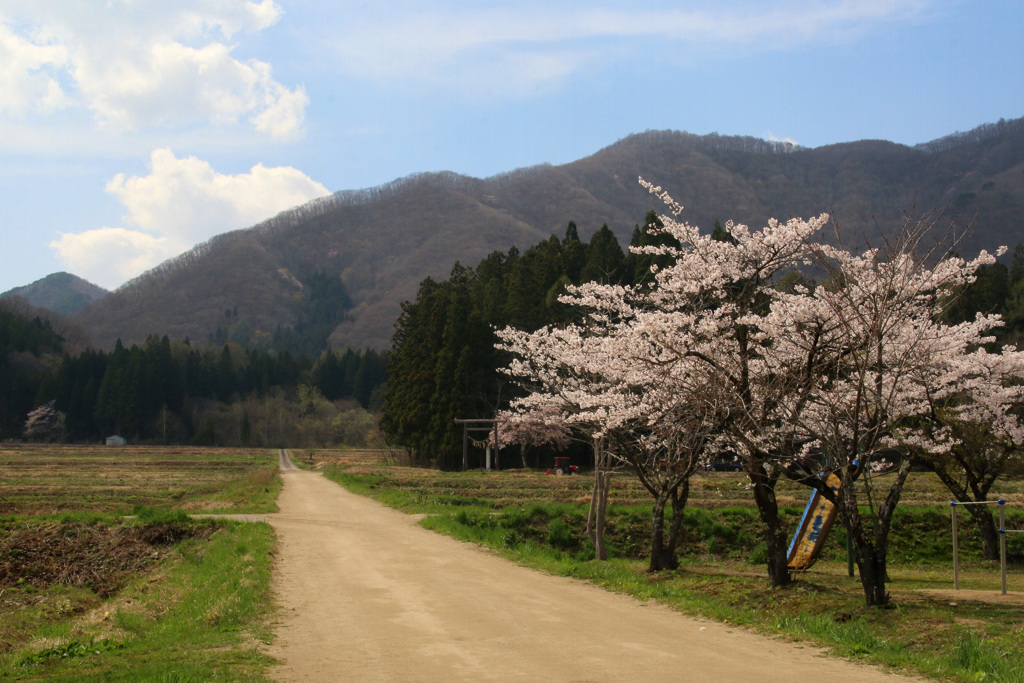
29	349
998	288
134	391
443	364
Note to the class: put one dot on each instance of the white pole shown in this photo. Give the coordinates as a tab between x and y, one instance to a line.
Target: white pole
1002	541
956	543
956	551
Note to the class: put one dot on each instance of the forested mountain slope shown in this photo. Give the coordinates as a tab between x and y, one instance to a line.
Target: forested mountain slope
250	285
61	293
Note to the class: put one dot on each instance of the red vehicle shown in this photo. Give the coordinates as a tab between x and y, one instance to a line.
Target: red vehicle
562	466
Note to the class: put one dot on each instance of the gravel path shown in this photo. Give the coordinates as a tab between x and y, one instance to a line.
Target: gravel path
365	594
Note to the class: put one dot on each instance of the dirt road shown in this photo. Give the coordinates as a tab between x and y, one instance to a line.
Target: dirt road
368	595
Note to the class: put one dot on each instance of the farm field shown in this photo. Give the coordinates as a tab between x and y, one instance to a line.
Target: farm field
514	486
56	479
192	596
972	634
103	575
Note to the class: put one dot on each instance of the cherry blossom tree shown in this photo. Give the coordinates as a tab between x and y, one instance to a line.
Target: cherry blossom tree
689	342
886	358
978	418
664	453
703	316
539	427
45	423
712	353
849	370
561	368
599	378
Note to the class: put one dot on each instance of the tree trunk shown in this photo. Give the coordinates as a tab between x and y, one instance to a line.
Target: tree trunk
870	564
987	530
600	552
873	571
775	539
872	553
592	511
598	504
679	499
663	549
661	557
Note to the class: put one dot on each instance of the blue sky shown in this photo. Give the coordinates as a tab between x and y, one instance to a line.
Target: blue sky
131	130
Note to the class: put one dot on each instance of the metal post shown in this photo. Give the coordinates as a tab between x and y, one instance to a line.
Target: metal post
497	462
465	447
1002	541
956	555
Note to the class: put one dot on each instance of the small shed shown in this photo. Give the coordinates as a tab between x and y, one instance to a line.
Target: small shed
116	441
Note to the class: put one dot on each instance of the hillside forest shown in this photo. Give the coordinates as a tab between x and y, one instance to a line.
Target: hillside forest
383	242
443	364
164	392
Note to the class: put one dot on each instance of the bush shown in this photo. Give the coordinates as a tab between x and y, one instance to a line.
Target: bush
560	534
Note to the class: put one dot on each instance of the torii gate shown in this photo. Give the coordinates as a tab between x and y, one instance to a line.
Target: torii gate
467	428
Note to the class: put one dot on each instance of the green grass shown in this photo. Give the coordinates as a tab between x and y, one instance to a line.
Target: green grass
198	616
722	577
390	492
254	492
196	610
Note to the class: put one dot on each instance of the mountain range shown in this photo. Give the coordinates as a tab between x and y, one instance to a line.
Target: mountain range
250	284
61	293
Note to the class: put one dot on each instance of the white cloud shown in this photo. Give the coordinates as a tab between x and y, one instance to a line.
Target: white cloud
771	137
140	65
110	256
188	200
471	46
27	80
180	203
282	114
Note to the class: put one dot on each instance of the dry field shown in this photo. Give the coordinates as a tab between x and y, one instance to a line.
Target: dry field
707	489
47	479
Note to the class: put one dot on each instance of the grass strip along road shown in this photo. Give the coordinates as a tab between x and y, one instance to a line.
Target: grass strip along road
367	594
974	634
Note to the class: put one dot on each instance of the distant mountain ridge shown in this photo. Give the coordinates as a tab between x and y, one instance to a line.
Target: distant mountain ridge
61	293
383	241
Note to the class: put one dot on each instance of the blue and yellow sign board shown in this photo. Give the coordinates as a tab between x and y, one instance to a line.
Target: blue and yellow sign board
814	527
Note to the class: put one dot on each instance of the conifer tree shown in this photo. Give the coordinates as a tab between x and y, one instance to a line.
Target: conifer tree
604	263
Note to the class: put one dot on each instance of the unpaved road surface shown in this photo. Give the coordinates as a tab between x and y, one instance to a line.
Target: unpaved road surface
368	595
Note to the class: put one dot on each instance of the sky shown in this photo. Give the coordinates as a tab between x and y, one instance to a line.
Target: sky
131	130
